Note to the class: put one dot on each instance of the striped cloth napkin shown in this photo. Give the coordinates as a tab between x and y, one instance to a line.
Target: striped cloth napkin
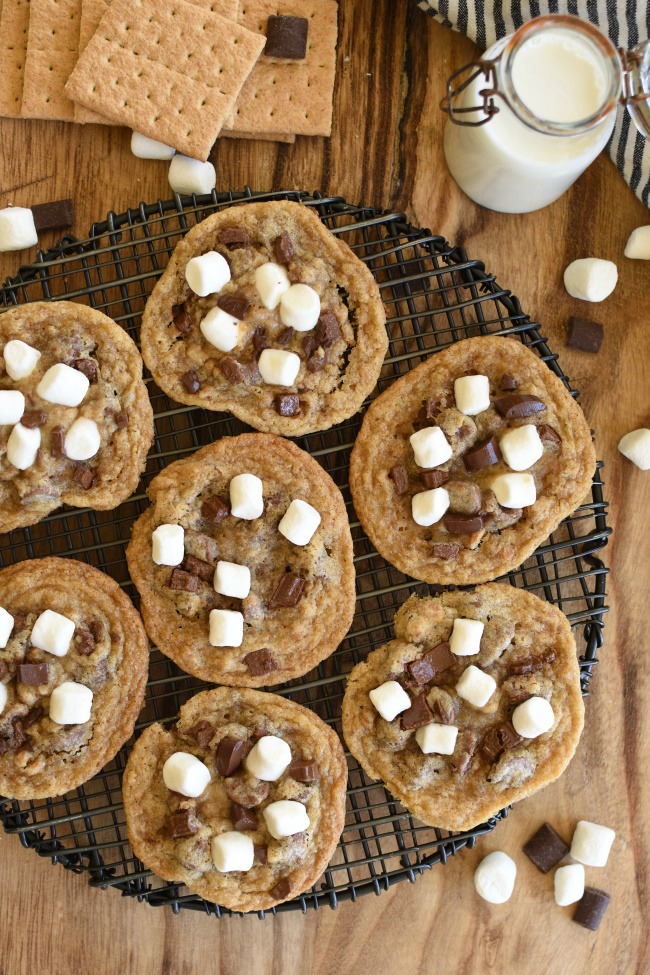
627	23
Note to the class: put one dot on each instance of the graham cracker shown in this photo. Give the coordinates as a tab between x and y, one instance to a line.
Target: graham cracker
290	96
261	136
14	27
52	48
164	71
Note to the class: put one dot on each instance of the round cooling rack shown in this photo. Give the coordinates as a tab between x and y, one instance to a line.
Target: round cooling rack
434	295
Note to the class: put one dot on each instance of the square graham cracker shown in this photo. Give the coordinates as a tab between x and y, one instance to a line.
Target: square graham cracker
14	27
52	47
169	71
290	96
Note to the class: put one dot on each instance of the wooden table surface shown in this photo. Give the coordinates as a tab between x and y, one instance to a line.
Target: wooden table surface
386	150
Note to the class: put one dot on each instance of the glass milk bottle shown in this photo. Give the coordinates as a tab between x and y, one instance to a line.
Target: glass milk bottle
530	117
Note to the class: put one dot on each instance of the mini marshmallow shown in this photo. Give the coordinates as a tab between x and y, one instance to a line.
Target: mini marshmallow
437	739
533	718
279	367
168	545
465	639
83	440
299	522
207	273
246	498
221	329
514	490
145	148
569	884
232	851
591	843
6	626
187	175
476	687
472	394
22	446
390	699
636	447
590	278
521	447
285	817
268	758
12	406
185	773
300	307
63	385
17	229
271	281
638	244
430	447
226	628
3	697
494	878
71	703
231	579
428	507
52	632
20	359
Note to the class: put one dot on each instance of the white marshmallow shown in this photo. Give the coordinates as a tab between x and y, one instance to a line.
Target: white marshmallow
285	817
279	367
168	544
232	851
221	329
494	878
569	884
465	639
271	281
71	703
300	307
591	843
17	229
226	628
83	440
299	522
636	447
52	632
472	394
515	490
20	359
476	687
63	385
246	498
207	273
533	718
145	148
437	739
268	758
428	507
12	406
187	175
430	447
390	699
231	579
590	278
22	446
521	447
3	697
185	773
6	626
638	244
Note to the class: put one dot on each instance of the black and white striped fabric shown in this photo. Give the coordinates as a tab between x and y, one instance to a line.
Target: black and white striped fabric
626	22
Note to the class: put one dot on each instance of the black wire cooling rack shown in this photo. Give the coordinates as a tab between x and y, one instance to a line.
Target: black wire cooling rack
434	295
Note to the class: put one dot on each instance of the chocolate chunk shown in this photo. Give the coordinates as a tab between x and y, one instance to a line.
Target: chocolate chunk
4	669
33	674
546	848
508	383
286	335
400	479
309	344
316	362
283	888
121	419
235	305
260	854
88	367
433	662
181	824
183	581
234	238
462	524
434	479
260	662
230	754
282	245
245	789
530	664
303	771
591	908
57	440
518	405
243	818
84	642
83	476
33	418
286	37
56	215
181	318
445	551
328	330
190	381
497	740
260	339
32	716
19	736
232	370
287	593
584	334
197	567
202	733
445	714
20	620
97	629
482	455
464	751
214	510
418	714
549	437
287	404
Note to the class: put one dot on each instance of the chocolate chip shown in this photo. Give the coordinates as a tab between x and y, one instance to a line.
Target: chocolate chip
462	524
243	818
445	551
286	335
418	714
260	853
233	238
508	383
33	418
203	733
84	642
190	381
197	567
214	510
287	404
303	771
591	908
530	664
97	629
32	716
183	581
316	362
328	330
400	479
20	620
482	455
549	437
288	592
518	405
33	674
181	318
83	476
260	340
546	848
283	888
309	344
230	754
121	419
464	751
88	367
181	824
260	662
584	334
232	370
286	37
432	663
56	215
283	245
4	669
445	714
235	305
497	740
57	440
434	479
19	736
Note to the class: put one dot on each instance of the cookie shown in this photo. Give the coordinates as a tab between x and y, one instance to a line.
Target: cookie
284	604
174	834
467	687
278	377
74	663
97	367
444	487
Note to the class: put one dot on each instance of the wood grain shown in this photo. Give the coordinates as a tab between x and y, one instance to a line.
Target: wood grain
386	150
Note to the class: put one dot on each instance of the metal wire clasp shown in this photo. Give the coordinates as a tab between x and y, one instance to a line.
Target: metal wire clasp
455	88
